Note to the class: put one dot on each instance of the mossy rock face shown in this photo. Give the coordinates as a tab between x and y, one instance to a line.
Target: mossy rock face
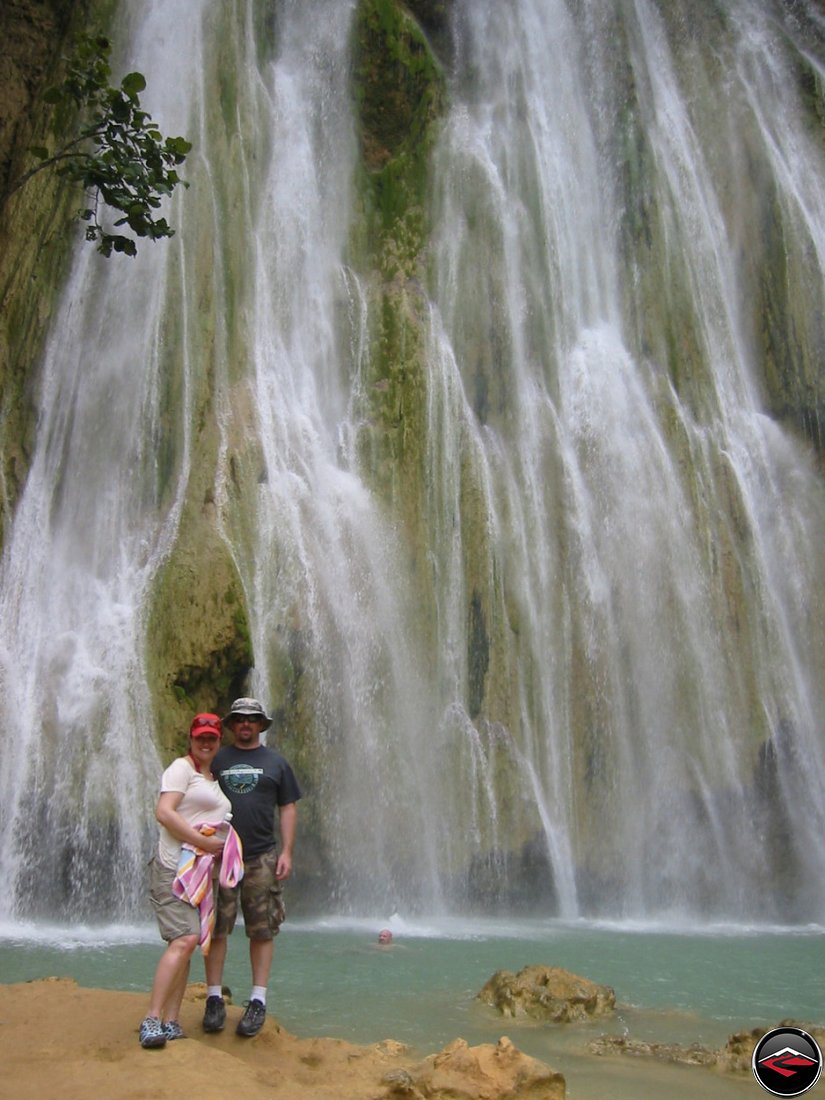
200	652
433	15
791	330
399	93
397	81
398	87
33	33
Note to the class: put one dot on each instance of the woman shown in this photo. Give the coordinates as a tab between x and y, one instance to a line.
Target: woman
189	797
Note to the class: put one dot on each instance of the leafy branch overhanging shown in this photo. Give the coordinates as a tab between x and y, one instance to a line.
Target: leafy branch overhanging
119	157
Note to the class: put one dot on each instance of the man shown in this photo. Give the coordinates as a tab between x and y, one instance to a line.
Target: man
257	780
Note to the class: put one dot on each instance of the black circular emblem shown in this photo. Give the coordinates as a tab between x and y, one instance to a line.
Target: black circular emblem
787	1061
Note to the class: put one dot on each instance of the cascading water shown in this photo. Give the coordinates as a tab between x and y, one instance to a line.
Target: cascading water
318	560
79	770
607	699
653	546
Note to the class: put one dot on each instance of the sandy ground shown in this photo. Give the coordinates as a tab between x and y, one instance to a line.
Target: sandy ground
58	1039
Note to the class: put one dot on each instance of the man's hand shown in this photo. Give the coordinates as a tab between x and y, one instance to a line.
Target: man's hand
283	868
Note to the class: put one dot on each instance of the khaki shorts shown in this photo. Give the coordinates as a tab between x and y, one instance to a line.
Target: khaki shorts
175	917
261	898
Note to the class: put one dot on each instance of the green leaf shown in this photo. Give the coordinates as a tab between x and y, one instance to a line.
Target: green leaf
178	145
117	154
125	245
133	84
121	108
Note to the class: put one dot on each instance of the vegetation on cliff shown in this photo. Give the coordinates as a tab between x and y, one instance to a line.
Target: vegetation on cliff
399	89
118	156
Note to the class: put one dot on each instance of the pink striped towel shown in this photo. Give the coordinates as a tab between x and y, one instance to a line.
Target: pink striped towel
193	878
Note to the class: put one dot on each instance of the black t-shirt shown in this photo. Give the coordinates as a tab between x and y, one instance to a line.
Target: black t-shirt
256	782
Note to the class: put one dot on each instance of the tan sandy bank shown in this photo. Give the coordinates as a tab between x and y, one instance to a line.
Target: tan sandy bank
58	1039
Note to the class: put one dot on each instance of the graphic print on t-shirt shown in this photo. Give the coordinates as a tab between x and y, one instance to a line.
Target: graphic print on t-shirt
241	778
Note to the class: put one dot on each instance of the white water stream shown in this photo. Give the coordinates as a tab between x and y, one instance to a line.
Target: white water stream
636	556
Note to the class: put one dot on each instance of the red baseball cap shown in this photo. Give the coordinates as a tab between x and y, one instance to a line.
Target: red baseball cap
206	725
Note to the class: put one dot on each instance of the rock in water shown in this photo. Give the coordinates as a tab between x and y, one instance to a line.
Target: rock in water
547	993
484	1072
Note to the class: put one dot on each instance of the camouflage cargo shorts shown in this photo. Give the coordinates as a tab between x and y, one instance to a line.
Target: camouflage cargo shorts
261	898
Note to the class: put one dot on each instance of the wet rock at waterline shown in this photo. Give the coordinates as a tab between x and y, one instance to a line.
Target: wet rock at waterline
693	1055
547	993
734	1057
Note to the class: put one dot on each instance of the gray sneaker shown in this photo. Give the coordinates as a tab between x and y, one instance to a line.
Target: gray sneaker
252	1020
173	1030
214	1015
152	1033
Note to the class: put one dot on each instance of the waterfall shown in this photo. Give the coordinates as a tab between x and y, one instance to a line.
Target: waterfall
597	687
658	542
79	774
